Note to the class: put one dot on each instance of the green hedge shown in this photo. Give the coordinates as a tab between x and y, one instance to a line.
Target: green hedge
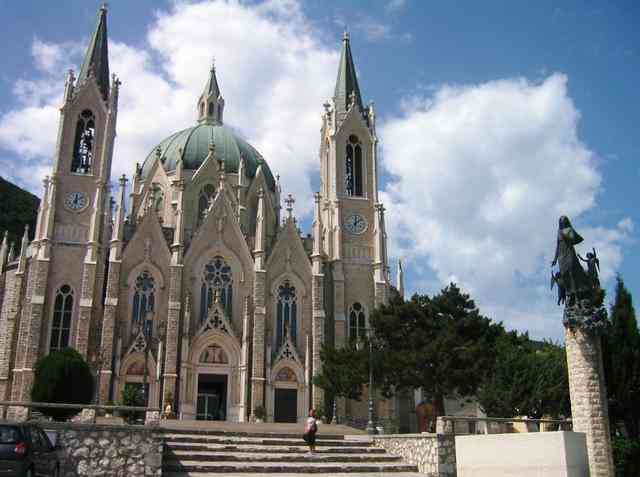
62	377
626	456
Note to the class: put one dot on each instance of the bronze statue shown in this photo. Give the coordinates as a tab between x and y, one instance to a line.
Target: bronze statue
572	276
578	290
593	266
562	293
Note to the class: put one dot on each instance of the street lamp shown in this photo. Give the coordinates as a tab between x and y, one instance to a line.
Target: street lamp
371	428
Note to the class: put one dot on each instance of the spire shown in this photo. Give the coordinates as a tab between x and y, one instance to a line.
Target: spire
400	279
4	250
211	103
347	89
96	61
22	264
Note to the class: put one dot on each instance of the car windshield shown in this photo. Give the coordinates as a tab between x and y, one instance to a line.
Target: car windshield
9	435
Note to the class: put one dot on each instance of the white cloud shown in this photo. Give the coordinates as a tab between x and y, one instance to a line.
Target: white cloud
479	176
273	70
394	6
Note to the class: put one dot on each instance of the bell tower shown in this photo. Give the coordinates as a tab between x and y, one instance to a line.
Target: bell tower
354	237
66	271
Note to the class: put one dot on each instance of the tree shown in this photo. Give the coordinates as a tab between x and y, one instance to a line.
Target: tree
62	377
344	371
621	353
528	379
441	344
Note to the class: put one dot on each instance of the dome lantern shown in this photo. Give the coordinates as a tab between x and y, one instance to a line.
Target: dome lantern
211	102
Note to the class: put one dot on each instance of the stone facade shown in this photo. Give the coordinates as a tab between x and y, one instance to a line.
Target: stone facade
203	278
589	408
434	454
109	451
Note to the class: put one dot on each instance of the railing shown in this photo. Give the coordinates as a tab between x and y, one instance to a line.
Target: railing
5	405
562	424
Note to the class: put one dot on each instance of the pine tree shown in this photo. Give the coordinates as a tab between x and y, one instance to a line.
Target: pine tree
622	361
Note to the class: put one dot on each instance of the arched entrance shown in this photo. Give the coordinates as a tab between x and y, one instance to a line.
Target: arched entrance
212	381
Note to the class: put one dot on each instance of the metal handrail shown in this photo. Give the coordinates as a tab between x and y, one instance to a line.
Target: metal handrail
504	419
77	406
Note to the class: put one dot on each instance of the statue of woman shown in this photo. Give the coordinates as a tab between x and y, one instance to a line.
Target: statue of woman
572	275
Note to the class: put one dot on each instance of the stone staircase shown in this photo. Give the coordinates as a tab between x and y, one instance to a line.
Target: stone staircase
202	453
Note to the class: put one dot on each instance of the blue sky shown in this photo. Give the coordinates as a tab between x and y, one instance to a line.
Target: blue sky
495	103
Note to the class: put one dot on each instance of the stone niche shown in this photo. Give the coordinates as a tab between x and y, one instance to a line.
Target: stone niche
108	451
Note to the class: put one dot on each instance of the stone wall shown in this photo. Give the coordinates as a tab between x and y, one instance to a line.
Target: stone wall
108	451
434	454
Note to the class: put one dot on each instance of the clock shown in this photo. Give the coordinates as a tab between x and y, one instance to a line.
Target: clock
76	201
356	224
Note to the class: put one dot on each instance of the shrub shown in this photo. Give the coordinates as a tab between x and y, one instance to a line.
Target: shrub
132	395
62	377
626	457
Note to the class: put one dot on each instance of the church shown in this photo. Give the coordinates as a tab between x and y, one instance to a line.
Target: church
192	278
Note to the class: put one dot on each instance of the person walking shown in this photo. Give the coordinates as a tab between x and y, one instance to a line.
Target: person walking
310	430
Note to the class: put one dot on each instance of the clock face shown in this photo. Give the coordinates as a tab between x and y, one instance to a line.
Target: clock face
356	224
76	201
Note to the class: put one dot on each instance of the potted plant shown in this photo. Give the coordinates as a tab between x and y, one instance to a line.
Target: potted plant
260	414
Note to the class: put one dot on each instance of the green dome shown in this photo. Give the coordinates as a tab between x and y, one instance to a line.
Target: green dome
194	145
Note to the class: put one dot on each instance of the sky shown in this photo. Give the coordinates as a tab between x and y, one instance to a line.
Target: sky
494	118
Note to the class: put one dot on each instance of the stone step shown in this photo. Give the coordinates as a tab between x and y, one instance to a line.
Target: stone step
292	474
207	456
203	439
276	435
298	449
195	467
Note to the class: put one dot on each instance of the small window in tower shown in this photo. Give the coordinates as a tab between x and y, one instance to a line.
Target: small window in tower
348	171
358	171
207	194
84	143
210	110
62	312
201	109
357	322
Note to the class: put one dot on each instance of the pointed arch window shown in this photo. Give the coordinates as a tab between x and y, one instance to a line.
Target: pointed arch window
207	194
287	313
84	144
353	168
144	296
62	313
357	321
217	279
210	111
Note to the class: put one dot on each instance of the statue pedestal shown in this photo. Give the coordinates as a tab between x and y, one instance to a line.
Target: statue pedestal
587	387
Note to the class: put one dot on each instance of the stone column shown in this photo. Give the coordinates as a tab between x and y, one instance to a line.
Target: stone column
173	334
317	335
589	409
108	330
258	344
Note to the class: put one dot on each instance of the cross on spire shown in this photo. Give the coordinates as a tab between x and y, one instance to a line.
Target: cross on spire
289	201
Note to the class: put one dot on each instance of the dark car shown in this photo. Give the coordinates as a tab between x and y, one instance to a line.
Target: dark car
26	451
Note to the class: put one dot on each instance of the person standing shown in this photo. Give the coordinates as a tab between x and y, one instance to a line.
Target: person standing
310	430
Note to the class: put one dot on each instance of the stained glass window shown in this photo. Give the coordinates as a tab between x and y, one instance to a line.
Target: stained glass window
216	278
357	322
287	310
62	312
143	297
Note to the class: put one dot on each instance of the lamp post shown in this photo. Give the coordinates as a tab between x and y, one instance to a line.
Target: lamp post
371	428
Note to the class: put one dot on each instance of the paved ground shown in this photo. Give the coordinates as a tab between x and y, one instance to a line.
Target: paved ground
266	427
